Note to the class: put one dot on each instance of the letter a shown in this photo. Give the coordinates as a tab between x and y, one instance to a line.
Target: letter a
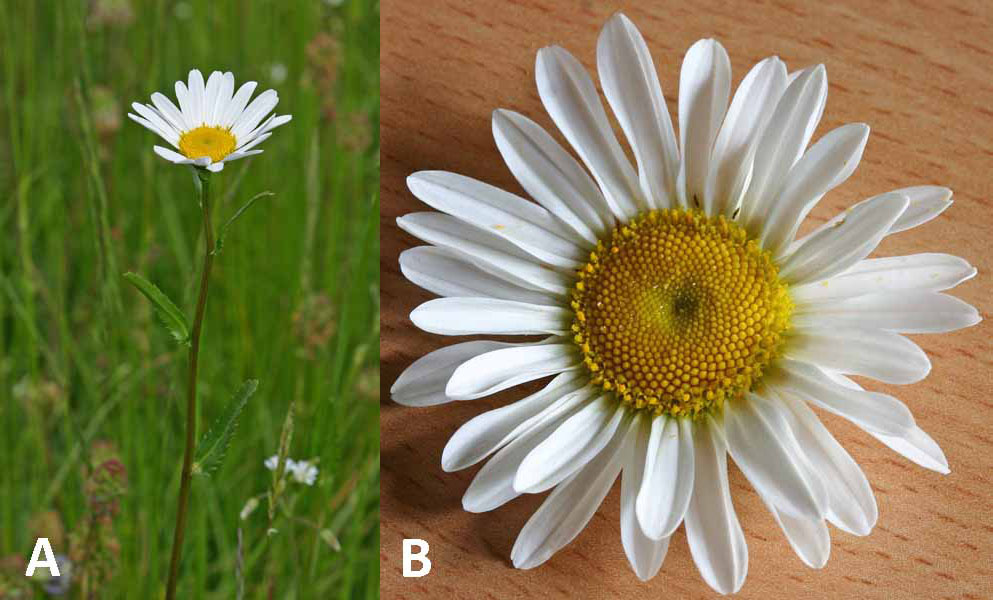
42	545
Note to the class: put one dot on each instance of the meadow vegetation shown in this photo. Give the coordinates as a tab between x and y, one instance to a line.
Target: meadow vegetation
92	387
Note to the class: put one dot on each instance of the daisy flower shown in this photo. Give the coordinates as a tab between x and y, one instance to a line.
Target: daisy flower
214	124
683	317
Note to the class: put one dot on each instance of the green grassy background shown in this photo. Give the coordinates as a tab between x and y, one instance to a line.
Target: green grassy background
83	361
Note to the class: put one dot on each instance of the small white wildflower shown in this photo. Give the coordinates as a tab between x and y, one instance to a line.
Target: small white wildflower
272	462
304	472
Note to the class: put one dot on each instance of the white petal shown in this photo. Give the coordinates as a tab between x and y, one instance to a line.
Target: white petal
152	116
926	203
524	224
493	486
224	97
881	355
826	165
490	252
210	96
268	125
250	136
782	142
716	541
446	273
917	446
197	92
237	105
644	553
501	369
851	505
485	434
871	411
186	105
668	482
239	155
834	250
762	445
550	175
255	142
631	85
169	111
254	113
216	167
704	88
569	96
172	156
734	150
809	538
915	272
903	312
172	139
570	447
569	508
423	382
470	316
914	444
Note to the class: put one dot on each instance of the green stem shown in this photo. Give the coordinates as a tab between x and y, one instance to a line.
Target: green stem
203	180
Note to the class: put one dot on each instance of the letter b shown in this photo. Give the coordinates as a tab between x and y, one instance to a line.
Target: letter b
420	556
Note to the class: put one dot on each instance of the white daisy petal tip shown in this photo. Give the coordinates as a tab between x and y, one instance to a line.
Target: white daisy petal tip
917	446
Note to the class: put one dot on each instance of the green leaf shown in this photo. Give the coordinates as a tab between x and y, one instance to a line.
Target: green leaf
219	245
214	444
169	313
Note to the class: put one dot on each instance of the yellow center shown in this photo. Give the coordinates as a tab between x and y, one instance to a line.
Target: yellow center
215	142
677	312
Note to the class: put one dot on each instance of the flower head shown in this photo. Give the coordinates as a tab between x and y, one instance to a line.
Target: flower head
681	316
214	124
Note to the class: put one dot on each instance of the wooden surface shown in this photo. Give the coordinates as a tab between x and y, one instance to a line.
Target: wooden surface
918	73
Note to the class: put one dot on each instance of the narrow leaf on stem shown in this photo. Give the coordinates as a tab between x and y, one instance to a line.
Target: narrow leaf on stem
214	444
170	315
224	228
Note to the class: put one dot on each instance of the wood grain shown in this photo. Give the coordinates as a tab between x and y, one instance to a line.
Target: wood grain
918	72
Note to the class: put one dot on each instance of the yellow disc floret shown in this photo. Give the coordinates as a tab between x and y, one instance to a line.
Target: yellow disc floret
677	312
212	141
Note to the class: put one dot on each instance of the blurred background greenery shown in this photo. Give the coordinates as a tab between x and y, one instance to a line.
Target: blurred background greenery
91	392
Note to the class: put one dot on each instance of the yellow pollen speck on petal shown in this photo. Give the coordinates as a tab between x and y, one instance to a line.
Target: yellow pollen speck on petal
679	312
215	142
